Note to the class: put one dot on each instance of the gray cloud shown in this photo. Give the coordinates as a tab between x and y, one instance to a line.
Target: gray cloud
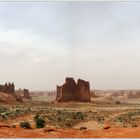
42	43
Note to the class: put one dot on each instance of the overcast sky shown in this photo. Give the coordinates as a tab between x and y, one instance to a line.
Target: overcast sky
42	43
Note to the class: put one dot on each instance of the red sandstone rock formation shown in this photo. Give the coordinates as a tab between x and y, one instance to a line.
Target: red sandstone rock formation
23	93
70	91
7	88
26	94
83	91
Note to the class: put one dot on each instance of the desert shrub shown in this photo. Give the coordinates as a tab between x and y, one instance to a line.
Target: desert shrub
100	118
3	109
59	112
3	116
83	128
13	107
13	126
17	111
36	116
29	109
124	125
7	113
119	119
118	102
68	124
59	119
14	113
39	121
79	116
134	125
25	125
19	100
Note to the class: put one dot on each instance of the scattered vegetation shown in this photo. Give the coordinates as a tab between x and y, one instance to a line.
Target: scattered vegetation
67	116
25	124
67	119
83	128
79	116
128	119
3	115
39	121
13	126
13	112
118	102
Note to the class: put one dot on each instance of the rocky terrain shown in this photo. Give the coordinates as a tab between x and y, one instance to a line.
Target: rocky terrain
120	95
72	111
73	119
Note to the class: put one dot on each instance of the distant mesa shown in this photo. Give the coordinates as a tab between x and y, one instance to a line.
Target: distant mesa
72	91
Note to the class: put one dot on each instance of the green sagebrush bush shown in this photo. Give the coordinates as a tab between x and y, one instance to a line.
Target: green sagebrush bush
39	121
25	124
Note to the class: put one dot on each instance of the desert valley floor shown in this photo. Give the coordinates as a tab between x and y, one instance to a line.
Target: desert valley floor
98	119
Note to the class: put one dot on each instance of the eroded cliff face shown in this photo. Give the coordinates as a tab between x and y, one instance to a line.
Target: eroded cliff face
83	90
72	91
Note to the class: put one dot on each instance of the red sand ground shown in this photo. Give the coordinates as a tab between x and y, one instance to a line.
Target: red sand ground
70	133
18	132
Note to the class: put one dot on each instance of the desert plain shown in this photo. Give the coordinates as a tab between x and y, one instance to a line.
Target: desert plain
110	114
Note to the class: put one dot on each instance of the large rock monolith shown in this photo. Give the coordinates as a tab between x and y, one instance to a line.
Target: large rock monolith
72	91
7	88
26	94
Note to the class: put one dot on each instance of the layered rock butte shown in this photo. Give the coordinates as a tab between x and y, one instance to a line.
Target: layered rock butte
72	91
7	88
10	89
